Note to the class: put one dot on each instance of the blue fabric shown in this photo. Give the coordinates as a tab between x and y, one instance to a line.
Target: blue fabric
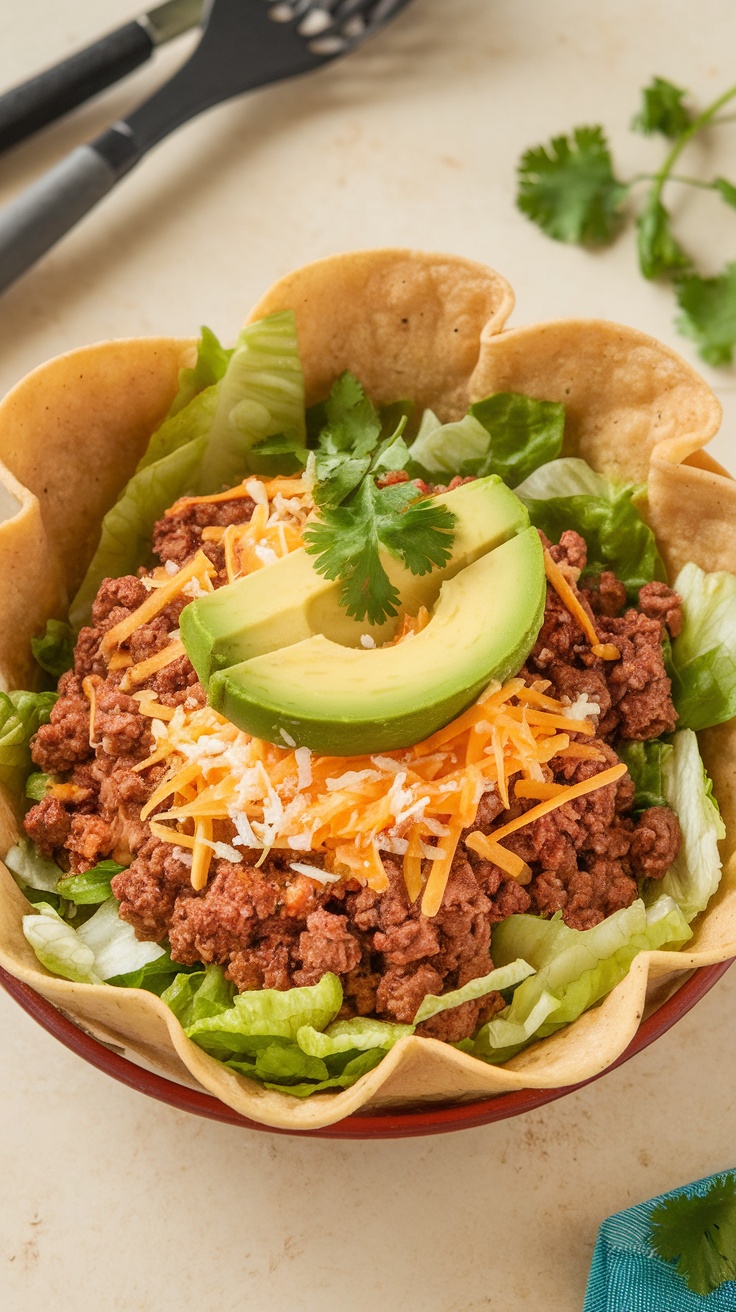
627	1277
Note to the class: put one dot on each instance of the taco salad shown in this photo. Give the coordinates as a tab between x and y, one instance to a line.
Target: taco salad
379	720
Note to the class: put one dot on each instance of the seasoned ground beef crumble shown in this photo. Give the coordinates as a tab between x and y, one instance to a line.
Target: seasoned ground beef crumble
272	928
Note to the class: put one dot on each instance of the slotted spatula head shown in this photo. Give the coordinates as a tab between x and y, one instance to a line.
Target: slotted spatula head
247	44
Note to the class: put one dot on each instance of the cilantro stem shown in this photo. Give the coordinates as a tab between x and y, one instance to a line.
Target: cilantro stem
674	177
702	120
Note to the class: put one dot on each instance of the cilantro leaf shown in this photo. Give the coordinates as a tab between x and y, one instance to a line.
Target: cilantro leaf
662	110
353	423
284	454
726	190
659	253
569	188
347	540
698	1233
709	314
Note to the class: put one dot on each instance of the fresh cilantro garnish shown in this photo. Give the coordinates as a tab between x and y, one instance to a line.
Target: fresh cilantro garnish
659	252
351	443
698	1233
569	187
348	538
709	314
662	109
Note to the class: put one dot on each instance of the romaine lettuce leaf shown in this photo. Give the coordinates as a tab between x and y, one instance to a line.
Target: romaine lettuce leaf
644	762
507	434
704	655
155	976
59	947
31	869
695	874
53	650
21	713
266	1013
209	367
91	887
202	993
357	1035
569	494
203	447
575	969
504	978
260	394
37	785
116	949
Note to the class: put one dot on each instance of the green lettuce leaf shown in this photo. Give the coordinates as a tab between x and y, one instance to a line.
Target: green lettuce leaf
644	762
53	650
91	887
266	1013
202	993
116	949
357	1035
21	714
507	977
202	448
209	367
506	434
695	874
31	869
704	655
260	394
575	969
155	976
59	947
567	493
37	785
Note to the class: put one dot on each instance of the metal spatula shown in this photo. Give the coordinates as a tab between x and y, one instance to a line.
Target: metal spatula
245	44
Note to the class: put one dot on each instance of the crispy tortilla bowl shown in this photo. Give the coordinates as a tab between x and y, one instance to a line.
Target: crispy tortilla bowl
407	324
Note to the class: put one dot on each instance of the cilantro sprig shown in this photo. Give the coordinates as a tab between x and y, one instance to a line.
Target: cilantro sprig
351	445
571	191
698	1233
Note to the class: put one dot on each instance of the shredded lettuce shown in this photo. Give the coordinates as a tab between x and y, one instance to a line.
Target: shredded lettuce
90	887
568	494
704	655
53	650
357	1035
507	434
695	874
575	969
37	785
505	977
31	869
202	447
644	762
261	393
209	367
103	947
21	714
59	947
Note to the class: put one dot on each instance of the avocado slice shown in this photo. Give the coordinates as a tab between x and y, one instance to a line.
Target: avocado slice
345	701
289	601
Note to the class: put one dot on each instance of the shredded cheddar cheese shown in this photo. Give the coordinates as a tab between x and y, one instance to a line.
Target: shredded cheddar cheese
571	601
198	567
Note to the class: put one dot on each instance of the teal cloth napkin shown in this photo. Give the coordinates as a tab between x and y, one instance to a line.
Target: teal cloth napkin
627	1277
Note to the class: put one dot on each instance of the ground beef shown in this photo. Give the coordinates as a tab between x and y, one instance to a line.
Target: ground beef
119	725
402	988
326	945
48	823
641	693
655	842
178	535
571	550
604	593
659	602
148	889
64	741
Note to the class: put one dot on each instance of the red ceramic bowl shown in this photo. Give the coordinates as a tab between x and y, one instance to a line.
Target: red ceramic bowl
375	1125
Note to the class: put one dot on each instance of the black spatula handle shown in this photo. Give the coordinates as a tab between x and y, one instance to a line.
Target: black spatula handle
49	95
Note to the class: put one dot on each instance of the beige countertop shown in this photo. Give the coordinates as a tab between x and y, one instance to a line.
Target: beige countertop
111	1201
